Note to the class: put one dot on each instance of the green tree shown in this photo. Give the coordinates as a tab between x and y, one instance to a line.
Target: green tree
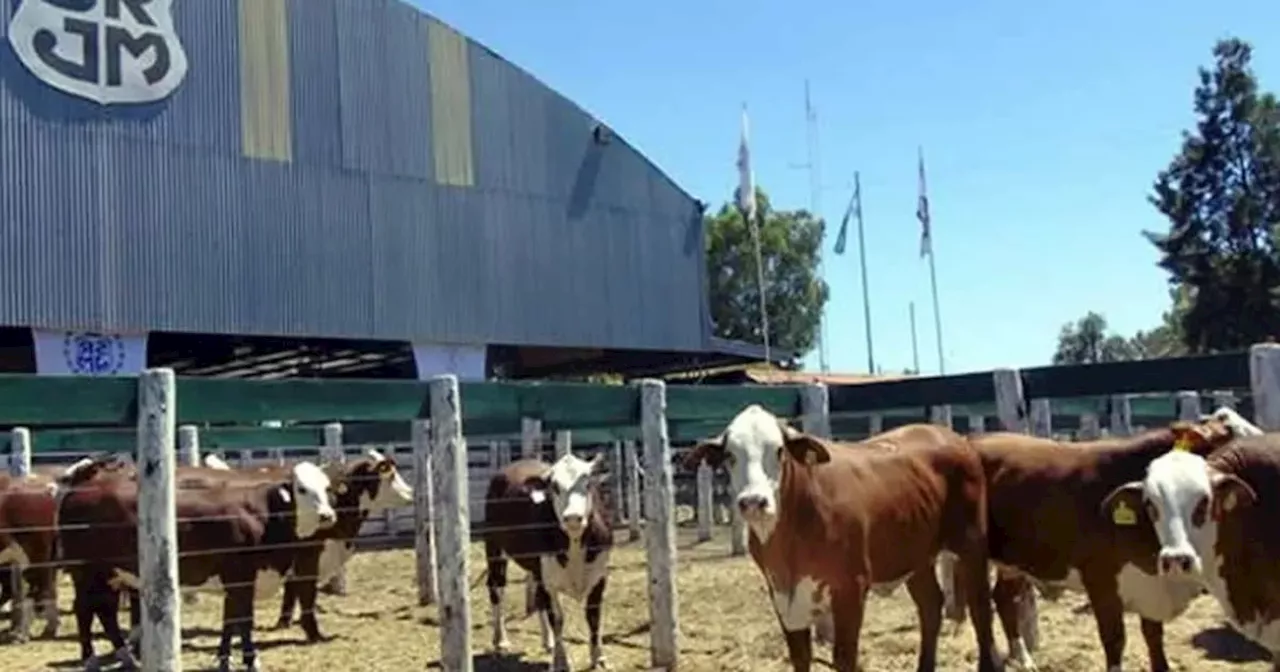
790	241
1221	195
1165	340
1088	341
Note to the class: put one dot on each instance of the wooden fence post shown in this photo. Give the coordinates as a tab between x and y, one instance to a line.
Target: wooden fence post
815	410
332	450
19	467
20	452
189	445
449	481
632	485
660	541
1264	379
616	470
1089	427
157	522
424	538
1011	407
530	448
246	458
941	416
1189	405
1041	423
875	424
564	443
705	508
977	424
1120	421
1224	398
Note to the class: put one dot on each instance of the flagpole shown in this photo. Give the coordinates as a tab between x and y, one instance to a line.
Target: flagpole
754	223
866	291
937	316
915	347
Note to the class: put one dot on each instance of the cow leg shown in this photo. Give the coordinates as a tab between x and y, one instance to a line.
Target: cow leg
799	648
497	584
1153	635
287	604
21	609
847	608
924	590
46	581
595	599
1108	611
549	605
974	585
109	616
307	591
83	607
1007	594
6	588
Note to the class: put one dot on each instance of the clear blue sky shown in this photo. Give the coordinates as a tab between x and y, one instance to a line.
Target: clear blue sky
1043	127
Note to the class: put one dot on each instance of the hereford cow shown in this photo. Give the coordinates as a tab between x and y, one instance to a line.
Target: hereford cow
367	485
1044	500
1228	416
1216	522
234	529
549	520
828	523
27	542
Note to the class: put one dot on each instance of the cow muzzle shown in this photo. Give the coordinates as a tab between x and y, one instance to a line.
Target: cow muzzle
574	524
1173	562
327	517
753	505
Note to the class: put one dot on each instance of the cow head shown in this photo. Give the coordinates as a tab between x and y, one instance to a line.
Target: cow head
753	447
1228	417
1183	498
568	482
309	492
375	481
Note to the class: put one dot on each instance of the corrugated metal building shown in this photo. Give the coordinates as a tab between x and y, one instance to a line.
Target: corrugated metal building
327	169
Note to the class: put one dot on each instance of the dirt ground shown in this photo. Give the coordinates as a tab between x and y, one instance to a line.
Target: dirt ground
726	625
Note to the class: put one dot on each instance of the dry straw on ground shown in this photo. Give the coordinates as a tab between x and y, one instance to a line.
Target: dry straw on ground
726	625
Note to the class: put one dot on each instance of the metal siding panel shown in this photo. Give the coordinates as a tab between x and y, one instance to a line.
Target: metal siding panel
405	113
317	119
266	110
360	85
450	106
491	120
50	260
569	243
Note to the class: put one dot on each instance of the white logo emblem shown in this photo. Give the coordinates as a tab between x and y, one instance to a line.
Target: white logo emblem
107	51
93	354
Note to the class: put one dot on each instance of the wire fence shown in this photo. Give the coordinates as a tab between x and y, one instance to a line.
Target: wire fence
637	486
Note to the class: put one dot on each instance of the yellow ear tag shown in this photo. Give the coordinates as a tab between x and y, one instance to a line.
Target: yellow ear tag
342	488
1123	515
1183	444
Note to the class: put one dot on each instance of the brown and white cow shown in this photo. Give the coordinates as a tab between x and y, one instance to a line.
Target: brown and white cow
1046	525
549	520
369	484
27	544
1216	521
830	521
234	529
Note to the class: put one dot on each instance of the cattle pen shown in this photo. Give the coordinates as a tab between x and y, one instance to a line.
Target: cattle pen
450	436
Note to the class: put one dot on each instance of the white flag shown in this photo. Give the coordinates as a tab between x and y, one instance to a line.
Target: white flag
746	181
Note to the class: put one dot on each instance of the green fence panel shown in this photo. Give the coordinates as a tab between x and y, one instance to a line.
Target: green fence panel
68	400
715	402
216	400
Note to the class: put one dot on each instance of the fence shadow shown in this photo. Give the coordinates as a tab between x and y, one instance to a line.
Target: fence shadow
1225	644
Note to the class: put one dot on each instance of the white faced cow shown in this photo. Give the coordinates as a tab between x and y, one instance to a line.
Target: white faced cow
1234	421
1215	518
548	519
829	521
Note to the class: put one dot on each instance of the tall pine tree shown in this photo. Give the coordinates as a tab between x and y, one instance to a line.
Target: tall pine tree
1221	194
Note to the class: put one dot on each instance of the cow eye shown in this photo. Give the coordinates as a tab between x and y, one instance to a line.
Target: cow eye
1201	512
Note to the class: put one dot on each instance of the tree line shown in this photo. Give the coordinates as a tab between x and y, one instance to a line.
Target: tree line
1221	196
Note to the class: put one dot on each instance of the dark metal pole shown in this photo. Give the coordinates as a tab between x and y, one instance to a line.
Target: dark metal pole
866	290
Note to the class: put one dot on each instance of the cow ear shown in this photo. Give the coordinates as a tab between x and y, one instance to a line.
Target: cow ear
1123	504
1229	492
538	495
285	495
804	448
710	451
